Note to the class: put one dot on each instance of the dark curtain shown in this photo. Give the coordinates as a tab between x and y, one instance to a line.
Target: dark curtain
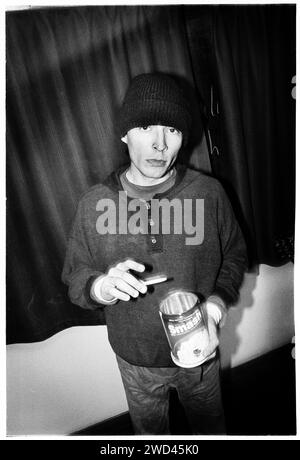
244	61
67	71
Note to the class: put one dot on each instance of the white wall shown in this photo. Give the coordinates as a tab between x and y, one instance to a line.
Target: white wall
71	380
263	319
63	384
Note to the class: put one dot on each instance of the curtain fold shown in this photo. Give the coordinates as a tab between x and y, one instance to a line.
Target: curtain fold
67	71
249	51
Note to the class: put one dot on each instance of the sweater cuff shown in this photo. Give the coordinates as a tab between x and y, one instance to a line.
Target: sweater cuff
223	294
87	291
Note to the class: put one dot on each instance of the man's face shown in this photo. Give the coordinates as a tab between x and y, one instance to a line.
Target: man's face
153	151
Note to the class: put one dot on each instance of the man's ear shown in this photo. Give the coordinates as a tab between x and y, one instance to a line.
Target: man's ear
124	139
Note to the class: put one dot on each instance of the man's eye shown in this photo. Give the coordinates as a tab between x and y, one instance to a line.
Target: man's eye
174	130
145	128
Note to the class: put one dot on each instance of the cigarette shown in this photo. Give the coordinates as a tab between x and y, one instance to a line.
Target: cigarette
155	279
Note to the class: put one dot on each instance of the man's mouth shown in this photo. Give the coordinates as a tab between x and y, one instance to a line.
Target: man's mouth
156	163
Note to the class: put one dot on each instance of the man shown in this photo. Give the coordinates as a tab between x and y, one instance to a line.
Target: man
117	239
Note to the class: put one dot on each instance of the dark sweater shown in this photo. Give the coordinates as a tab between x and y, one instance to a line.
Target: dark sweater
216	266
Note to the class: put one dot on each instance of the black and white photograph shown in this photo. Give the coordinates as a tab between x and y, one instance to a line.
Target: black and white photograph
150	192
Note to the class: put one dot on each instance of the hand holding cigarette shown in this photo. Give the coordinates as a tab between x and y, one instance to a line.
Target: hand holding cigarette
120	284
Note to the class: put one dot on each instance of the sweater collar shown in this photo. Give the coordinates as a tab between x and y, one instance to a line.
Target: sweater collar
183	178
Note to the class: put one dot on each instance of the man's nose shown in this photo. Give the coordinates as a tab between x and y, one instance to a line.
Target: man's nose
160	143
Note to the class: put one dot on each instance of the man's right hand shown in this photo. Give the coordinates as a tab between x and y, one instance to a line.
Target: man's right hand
119	284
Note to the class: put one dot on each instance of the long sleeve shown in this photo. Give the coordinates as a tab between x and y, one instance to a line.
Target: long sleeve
78	271
234	254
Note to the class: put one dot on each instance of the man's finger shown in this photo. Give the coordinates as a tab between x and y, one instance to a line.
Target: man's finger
125	287
131	265
119	294
134	282
130	279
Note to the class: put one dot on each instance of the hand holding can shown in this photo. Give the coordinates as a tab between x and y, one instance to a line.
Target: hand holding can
185	324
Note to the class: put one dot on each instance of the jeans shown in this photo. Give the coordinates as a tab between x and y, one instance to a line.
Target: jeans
147	392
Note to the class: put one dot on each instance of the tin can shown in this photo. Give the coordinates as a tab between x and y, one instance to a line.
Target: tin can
185	324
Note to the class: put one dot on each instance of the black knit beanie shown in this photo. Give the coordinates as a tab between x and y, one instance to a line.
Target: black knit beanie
155	99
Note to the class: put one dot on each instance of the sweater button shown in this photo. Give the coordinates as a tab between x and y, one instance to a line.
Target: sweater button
151	222
153	240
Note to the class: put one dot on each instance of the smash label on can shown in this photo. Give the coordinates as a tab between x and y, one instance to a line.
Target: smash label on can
185	325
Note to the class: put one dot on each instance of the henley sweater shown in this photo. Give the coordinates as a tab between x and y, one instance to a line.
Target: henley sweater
213	266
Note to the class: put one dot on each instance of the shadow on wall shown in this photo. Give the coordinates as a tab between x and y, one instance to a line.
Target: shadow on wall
230	340
263	319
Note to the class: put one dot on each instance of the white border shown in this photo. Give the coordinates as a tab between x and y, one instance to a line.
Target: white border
9	6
